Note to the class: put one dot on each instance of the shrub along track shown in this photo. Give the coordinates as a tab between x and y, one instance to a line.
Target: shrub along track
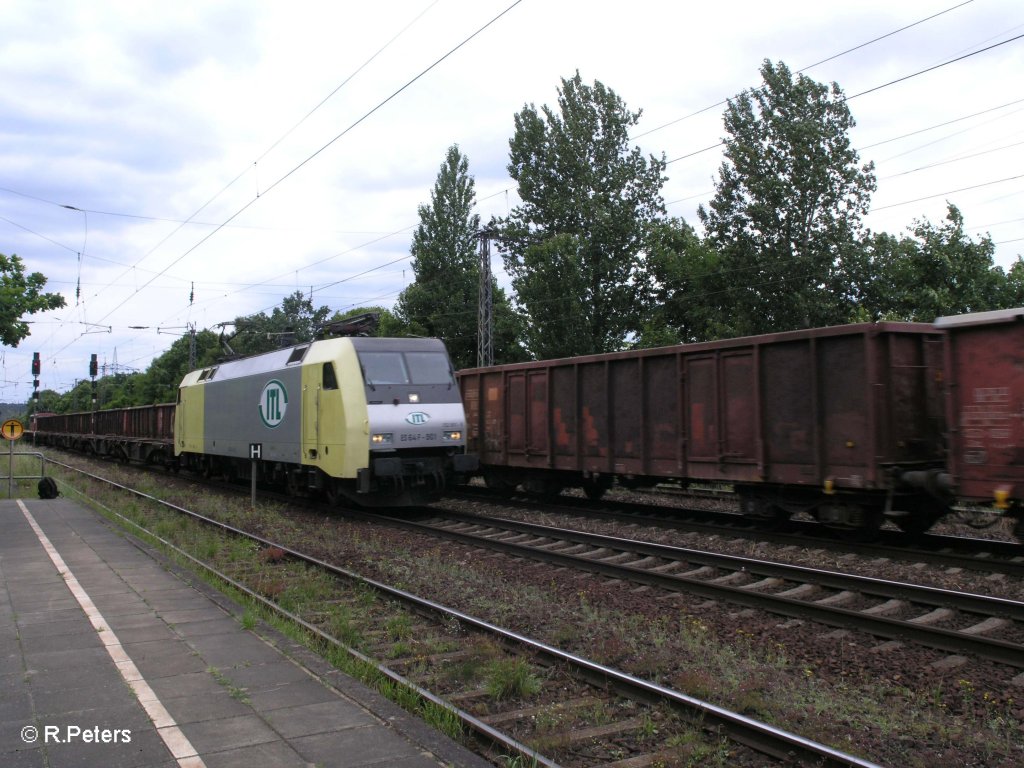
888	707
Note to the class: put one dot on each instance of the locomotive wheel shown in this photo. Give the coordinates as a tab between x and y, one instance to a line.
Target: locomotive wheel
332	492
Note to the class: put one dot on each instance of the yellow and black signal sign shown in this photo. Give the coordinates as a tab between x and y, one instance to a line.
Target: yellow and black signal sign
12	429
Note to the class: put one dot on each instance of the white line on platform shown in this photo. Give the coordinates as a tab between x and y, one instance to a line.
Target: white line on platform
168	729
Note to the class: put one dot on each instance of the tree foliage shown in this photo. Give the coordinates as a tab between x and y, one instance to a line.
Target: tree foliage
575	246
162	378
444	298
937	271
293	322
787	207
21	295
687	292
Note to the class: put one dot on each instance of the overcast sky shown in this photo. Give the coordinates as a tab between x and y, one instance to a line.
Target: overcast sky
120	121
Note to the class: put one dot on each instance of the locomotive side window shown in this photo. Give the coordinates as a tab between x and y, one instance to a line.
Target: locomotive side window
429	368
330	380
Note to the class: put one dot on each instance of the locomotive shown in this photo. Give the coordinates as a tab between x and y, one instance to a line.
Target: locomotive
854	425
376	421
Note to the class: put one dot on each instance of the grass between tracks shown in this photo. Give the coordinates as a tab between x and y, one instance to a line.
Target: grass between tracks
295	587
882	719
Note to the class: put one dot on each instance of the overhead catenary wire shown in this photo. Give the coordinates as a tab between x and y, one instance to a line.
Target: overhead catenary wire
281	179
810	66
318	152
276	143
272	186
343	266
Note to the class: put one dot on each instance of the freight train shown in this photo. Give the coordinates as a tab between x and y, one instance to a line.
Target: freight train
372	420
854	425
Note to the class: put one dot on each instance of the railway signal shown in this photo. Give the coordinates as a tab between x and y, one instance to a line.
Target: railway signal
94	368
36	368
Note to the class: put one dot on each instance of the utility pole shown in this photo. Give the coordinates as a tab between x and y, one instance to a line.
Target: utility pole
485	318
191	346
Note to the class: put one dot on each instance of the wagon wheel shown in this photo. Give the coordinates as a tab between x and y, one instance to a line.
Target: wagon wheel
918	519
595	488
764	513
496	482
862	526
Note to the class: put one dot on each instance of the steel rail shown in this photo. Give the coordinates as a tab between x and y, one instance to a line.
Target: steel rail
936	549
762	737
964	601
482	729
946	640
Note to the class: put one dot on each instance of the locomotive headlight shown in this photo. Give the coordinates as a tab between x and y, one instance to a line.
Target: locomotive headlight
382	438
453	435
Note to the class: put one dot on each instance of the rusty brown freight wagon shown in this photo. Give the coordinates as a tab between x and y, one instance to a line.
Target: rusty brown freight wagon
985	406
826	421
143	433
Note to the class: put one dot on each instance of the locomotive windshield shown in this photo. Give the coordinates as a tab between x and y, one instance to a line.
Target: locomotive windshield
382	368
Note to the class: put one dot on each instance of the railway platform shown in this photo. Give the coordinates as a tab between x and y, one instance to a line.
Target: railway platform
110	658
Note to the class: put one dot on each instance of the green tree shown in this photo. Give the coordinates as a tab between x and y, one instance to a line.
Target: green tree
689	292
48	402
122	390
575	246
443	300
294	322
78	398
786	215
938	271
1015	284
20	295
165	372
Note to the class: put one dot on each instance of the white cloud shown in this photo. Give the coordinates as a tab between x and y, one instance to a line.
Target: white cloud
151	110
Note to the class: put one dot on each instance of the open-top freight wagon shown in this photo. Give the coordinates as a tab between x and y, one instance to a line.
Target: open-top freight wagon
850	423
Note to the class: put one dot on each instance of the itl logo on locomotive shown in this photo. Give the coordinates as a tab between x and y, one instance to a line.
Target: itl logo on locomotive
273	403
417	418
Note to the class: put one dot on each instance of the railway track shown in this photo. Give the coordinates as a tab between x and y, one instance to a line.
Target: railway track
581	713
969	553
953	622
